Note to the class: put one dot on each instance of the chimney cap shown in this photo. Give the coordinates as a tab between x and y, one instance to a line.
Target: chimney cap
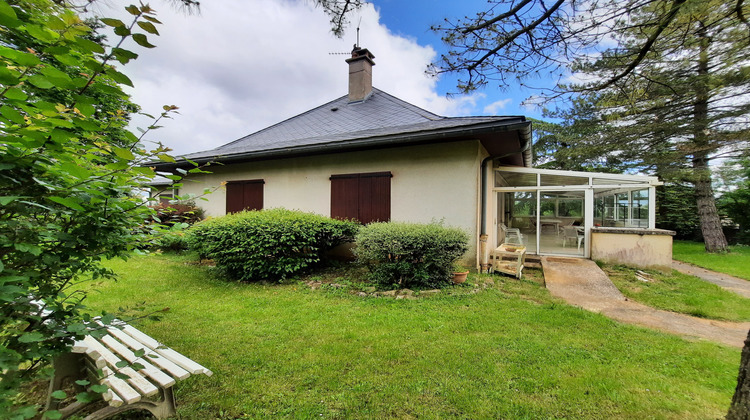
359	53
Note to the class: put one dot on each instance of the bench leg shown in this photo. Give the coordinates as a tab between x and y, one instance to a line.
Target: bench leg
162	409
68	367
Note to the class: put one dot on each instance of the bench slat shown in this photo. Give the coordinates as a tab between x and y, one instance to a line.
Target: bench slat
135	379
154	373
122	392
170	354
164	363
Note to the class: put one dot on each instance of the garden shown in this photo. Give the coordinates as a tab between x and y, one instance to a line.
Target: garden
311	342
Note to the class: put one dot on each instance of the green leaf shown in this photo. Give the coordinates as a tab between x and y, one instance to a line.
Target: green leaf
5	200
16	94
121	364
86	109
12	114
124	56
59	394
67	202
89	46
148	27
31	249
41	33
8	77
26	59
52	72
99	389
122	31
40	81
119	77
139	352
142	40
53	415
123	153
31	337
151	19
133	10
8	16
122	376
166	158
82	382
112	22
68	60
76	170
85	397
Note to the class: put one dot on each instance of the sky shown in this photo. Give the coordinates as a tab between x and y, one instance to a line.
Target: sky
238	66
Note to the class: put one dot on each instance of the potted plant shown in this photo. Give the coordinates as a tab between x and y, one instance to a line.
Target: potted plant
459	273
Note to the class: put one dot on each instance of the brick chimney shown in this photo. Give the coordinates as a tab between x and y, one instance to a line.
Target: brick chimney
360	74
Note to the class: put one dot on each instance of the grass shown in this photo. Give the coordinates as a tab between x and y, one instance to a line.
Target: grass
681	293
735	263
508	351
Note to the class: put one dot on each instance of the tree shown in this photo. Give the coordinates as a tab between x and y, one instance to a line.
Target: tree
735	202
673	80
68	172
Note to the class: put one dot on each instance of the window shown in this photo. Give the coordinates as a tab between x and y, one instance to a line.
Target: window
244	195
364	197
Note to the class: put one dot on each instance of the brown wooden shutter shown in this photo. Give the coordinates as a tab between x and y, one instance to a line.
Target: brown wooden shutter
244	195
377	206
365	197
345	196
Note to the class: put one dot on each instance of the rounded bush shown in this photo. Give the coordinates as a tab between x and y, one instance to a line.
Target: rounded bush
410	254
267	244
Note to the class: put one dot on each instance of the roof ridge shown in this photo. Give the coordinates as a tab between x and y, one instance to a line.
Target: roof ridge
420	110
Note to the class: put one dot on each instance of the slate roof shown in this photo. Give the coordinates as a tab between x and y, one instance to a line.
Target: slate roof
379	120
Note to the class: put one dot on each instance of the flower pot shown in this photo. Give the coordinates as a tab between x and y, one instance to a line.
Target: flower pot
459	278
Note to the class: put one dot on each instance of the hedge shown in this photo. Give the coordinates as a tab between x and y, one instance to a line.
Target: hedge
267	244
410	254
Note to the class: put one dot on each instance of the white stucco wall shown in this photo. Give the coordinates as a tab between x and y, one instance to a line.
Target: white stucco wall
430	182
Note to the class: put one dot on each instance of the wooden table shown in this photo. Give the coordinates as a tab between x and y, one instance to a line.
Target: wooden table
508	259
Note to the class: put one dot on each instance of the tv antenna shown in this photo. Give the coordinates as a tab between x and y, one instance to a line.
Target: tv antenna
355	45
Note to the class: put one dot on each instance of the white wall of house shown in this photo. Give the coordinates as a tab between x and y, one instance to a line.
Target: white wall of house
430	182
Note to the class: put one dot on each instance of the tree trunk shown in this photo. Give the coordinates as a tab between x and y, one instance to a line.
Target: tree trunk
740	408
713	235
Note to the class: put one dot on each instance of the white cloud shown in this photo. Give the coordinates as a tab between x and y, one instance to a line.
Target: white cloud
495	107
238	67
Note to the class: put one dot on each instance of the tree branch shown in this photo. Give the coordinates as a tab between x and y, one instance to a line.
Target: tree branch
509	13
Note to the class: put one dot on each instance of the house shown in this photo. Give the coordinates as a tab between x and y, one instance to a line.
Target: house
373	157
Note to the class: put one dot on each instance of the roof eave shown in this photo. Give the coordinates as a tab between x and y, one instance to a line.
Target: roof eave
402	139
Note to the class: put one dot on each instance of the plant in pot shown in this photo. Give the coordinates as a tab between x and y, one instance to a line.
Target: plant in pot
459	273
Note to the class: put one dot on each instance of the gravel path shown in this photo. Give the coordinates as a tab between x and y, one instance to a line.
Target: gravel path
582	283
725	281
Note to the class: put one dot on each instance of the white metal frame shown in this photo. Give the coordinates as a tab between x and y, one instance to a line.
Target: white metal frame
591	190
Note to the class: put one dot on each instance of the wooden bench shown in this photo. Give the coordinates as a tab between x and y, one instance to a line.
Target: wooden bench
98	360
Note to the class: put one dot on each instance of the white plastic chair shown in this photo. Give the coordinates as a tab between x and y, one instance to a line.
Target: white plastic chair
572	233
510	235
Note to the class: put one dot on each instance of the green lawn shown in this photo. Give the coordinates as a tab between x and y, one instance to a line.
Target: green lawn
736	262
510	351
682	293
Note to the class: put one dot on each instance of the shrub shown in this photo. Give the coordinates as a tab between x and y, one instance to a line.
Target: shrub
182	212
410	254
268	244
172	240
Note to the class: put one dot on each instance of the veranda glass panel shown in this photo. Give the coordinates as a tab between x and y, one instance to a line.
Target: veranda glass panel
518	211
561	180
561	223
639	209
514	179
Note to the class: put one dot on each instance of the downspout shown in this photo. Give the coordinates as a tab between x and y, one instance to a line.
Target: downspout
483	264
